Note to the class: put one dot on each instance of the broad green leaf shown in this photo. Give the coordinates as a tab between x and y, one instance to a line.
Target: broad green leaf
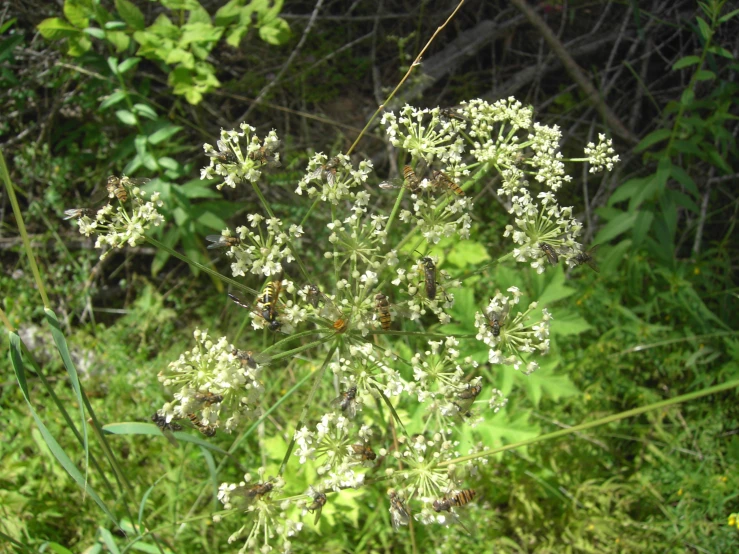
115	26
652	138
467	252
118	39
166	132
126	117
180	55
682	177
610	262
58	548
628	189
113	64
94	32
276	32
145	111
212	221
544	382
108	540
687	97
723	52
199	33
228	13
55	28
555	289
705	29
684	200
705	75
130	14
171	238
686	147
112	99
58	452
180	4
199	189
685	62
725	18
615	227
503	428
566	322
128	64
199	15
76	13
169	163
235	34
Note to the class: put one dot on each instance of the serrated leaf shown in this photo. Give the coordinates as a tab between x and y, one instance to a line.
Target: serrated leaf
686	61
55	28
503	428
276	32
130	13
544	382
566	322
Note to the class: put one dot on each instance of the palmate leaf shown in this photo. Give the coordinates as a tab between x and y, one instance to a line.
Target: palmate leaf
544	382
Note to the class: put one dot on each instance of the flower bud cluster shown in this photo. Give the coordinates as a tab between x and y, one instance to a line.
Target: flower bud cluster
424	134
602	156
333	180
213	368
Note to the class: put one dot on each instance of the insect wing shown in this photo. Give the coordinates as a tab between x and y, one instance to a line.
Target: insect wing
391	184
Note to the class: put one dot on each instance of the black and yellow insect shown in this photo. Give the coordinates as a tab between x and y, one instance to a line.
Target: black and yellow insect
266	304
383	311
459	499
207	430
219	241
76	213
442	179
208	398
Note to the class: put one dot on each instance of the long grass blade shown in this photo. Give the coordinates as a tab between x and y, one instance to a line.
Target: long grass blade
58	452
136	428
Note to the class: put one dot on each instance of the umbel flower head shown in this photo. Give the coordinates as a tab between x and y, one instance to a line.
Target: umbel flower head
264	514
238	160
123	223
333	180
424	134
213	368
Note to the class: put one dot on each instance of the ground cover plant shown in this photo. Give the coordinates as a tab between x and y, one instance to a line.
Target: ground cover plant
372	341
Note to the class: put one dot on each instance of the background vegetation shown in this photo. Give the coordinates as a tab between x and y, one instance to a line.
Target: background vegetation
90	89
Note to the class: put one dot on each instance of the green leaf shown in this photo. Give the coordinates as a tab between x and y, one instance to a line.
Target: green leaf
212	221
115	26
169	163
723	52
228	13
567	322
199	15
725	18
166	132
130	14
145	111
126	117
669	212
641	226
16	362
58	548
555	290
170	238
502	429
276	32
687	97
76	13
705	29
179	55
94	32
55	28
199	189
705	75
136	428
652	138
108	540
628	189
617	226
128	64
682	177
113	64
616	254
118	39
112	99
685	62
235	34
543	382
78	45
467	252
145	497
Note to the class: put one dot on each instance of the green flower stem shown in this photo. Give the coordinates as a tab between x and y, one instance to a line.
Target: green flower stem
201	267
290	338
642	347
598	422
22	230
310	210
422	334
308	346
396	208
306	407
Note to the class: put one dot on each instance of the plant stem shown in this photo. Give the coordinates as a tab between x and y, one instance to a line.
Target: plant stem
598	422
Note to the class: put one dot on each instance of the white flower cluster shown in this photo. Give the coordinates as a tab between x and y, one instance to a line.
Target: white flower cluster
260	251
369	371
339	449
417	281
602	156
123	224
439	216
235	165
266	517
358	238
511	336
424	134
332	180
213	369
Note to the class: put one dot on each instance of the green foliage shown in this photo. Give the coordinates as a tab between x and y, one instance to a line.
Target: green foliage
180	44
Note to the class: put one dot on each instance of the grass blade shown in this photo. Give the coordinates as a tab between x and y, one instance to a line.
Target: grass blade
136	428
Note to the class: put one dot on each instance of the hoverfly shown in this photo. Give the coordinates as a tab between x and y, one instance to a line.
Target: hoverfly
255	492
319	501
459	499
220	241
265	155
466	398
118	188
76	213
410	181
266	304
326	171
251	359
207	430
165	427
208	398
383	311
550	252
451	113
429	276
224	155
364	452
442	179
398	514
340	321
346	401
